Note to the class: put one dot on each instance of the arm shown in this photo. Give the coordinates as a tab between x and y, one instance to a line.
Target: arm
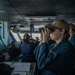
42	56
36	51
42	53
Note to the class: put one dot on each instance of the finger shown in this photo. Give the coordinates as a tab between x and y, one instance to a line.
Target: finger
41	34
48	31
45	30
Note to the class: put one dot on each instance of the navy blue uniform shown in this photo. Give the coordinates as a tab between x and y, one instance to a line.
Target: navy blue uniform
27	49
60	62
72	40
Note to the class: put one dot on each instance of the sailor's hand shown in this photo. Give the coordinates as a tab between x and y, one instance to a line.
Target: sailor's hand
46	35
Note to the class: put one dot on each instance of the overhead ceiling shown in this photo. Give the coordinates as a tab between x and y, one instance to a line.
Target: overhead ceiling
21	11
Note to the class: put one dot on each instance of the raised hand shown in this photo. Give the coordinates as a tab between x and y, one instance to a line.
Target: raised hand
46	35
